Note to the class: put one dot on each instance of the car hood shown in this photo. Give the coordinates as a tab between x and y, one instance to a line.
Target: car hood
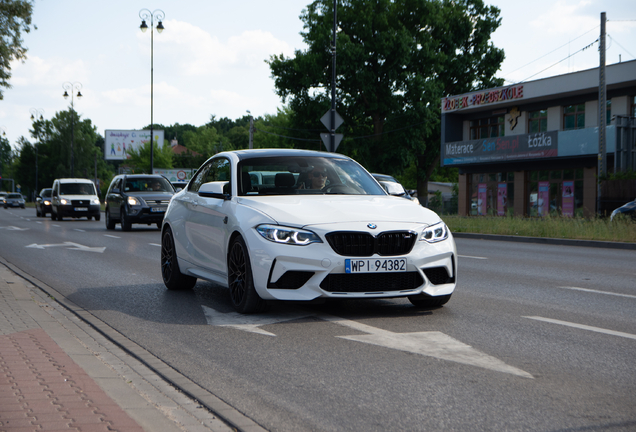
154	196
303	211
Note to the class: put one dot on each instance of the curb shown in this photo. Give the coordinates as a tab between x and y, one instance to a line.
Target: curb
227	416
546	240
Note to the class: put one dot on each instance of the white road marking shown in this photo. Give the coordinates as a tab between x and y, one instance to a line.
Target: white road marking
77	229
433	344
249	323
111	236
466	256
598	292
69	245
584	327
154	244
14	228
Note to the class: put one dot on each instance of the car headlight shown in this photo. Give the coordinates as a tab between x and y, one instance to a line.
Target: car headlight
65	201
95	201
435	233
47	202
133	201
287	235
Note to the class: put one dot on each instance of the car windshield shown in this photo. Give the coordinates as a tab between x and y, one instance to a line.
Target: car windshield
46	193
147	184
304	175
18	196
77	189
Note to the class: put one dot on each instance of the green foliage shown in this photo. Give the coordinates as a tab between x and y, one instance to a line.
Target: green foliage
621	230
140	159
15	18
53	152
626	175
395	60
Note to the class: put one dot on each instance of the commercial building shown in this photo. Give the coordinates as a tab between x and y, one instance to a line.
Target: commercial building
533	148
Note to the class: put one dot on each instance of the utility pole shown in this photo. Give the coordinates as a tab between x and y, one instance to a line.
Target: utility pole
602	113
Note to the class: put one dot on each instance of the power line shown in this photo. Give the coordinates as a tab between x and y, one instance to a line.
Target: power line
574	53
614	40
539	58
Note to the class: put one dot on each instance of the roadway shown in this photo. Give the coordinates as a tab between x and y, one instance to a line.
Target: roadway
536	337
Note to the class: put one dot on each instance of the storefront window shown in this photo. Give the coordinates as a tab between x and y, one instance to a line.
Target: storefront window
574	117
492	194
491	127
538	121
550	193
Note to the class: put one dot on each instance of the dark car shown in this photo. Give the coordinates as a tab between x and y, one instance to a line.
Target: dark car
43	202
14	200
137	199
628	210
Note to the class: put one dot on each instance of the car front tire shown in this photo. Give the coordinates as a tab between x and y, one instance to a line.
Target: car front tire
243	295
110	223
125	220
172	276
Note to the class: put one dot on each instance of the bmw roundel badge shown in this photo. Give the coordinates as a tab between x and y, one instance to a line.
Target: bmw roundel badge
372	226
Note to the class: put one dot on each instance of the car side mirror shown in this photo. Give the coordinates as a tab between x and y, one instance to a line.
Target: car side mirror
214	190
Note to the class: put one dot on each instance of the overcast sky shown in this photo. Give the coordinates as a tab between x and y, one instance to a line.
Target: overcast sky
210	60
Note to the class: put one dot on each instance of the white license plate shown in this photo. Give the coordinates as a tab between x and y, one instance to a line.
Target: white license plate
375	265
81	208
157	209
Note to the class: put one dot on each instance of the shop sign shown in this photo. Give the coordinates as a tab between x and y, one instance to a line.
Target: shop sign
543	202
567	200
501	149
454	103
502	198
482	198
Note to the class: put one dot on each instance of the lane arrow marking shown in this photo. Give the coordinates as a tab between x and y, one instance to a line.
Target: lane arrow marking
432	344
70	246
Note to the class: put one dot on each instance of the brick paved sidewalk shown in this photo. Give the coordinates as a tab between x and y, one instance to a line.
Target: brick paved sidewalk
42	388
58	374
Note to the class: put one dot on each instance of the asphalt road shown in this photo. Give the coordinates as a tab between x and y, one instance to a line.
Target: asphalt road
536	337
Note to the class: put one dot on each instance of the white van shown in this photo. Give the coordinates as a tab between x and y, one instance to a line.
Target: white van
74	197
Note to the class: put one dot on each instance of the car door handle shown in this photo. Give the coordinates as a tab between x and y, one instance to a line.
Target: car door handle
195	203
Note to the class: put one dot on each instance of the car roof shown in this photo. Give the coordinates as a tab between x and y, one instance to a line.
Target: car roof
259	153
74	180
384	177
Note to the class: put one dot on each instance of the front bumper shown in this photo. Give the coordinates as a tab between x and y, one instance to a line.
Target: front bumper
78	211
144	215
286	272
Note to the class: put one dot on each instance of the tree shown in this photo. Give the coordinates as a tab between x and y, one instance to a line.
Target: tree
52	150
15	18
140	158
396	59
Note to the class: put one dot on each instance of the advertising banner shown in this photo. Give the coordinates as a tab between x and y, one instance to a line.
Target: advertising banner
543	202
176	175
501	149
482	198
568	199
119	142
502	199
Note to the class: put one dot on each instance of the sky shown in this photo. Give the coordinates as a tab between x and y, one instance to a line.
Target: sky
210	59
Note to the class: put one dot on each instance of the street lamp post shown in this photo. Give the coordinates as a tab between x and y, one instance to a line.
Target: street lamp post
158	15
69	86
34	117
4	134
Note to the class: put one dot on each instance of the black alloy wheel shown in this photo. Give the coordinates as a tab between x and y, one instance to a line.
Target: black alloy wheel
244	297
172	276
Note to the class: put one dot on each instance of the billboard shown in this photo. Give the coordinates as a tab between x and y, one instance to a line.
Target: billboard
119	142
